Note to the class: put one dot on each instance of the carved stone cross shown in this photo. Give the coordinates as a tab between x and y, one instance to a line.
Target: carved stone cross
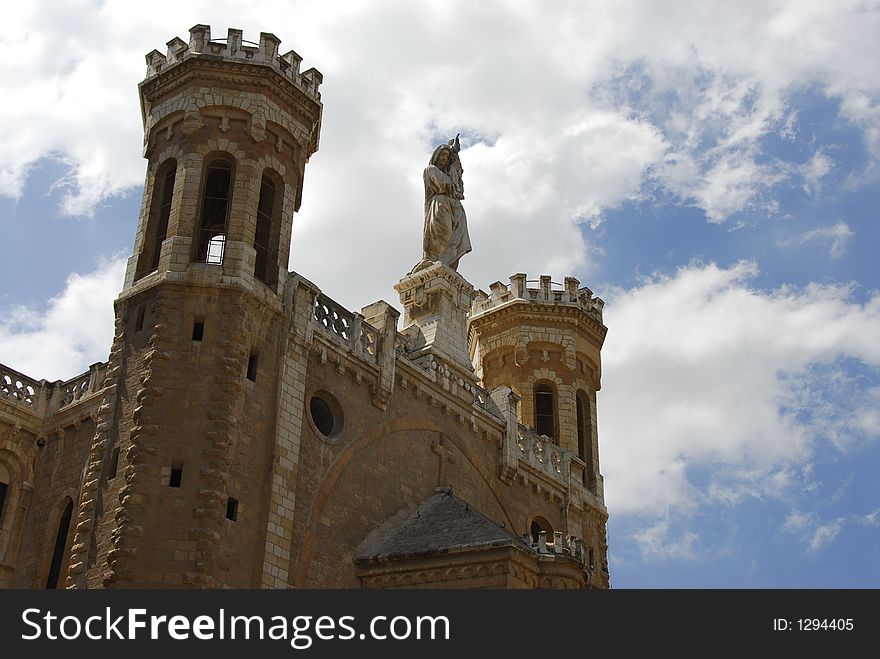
439	447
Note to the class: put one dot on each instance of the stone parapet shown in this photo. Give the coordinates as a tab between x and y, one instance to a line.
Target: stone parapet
234	47
547	292
44	398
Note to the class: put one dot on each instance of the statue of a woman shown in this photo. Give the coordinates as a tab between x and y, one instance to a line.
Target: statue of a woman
445	237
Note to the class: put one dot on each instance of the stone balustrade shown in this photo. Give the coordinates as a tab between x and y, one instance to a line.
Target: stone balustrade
46	398
18	387
547	291
233	46
347	326
543	454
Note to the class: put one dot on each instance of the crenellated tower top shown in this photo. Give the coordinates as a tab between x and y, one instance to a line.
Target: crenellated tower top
547	291
234	47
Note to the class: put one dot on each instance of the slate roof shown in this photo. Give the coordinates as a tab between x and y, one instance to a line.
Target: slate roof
440	524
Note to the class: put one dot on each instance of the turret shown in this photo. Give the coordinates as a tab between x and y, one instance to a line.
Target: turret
543	340
179	479
228	128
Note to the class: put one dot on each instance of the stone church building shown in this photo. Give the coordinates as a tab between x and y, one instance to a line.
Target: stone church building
249	432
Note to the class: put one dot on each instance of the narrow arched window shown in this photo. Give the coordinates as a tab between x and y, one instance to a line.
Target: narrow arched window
584	435
4	486
60	543
211	239
263	236
545	406
157	225
540	524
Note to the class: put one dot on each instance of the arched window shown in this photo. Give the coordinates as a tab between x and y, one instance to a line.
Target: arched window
545	410
211	238
540	524
585	435
265	238
157	225
4	486
60	543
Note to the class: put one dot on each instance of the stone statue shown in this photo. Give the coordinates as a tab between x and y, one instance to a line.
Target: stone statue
445	238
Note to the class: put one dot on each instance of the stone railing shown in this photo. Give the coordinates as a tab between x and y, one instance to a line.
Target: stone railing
482	399
561	545
564	467
547	291
540	452
358	335
46	398
81	386
19	387
234	47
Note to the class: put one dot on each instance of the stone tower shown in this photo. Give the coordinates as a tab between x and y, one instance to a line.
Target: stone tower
544	342
177	488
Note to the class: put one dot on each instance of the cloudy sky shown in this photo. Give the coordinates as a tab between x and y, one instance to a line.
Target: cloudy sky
710	169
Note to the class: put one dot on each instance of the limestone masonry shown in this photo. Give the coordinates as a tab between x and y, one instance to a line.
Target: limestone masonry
247	431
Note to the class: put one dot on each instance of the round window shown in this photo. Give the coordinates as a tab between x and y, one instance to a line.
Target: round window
326	414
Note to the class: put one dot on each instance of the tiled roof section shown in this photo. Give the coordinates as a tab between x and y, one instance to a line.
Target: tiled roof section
440	524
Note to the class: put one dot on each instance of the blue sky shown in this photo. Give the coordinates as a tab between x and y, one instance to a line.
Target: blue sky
710	170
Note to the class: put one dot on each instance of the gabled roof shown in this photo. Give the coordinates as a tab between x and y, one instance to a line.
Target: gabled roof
440	524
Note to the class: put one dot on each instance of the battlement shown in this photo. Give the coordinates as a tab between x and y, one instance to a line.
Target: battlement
547	292
234	48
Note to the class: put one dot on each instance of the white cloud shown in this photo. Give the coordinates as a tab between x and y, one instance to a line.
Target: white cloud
814	170
817	534
75	329
702	371
824	534
872	518
798	521
658	542
837	234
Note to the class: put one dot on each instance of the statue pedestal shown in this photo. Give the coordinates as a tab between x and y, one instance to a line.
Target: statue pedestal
436	302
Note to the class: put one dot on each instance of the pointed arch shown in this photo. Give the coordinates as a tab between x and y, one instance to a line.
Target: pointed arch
216	202
158	214
585	435
268	228
57	563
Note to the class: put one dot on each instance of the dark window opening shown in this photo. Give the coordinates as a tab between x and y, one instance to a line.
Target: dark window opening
176	474
265	214
539	524
114	464
164	214
3	488
536	529
232	509
157	224
585	443
198	330
252	367
544	414
60	542
139	322
591	563
211	238
322	415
